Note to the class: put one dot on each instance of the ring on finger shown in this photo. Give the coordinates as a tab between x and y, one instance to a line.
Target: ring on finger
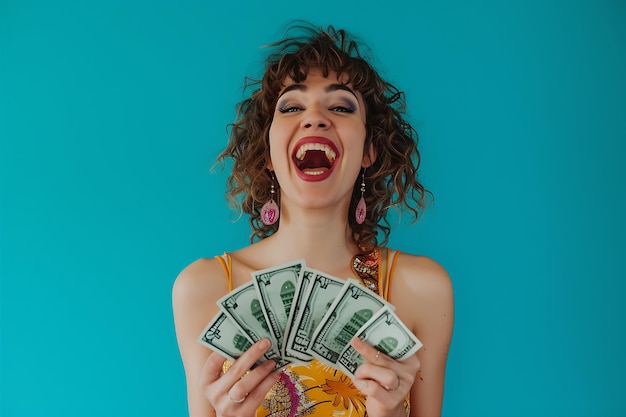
237	401
377	355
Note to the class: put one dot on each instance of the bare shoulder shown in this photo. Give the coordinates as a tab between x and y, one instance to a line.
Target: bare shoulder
203	280
421	276
194	296
421	288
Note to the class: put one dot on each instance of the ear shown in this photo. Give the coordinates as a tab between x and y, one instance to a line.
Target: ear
369	156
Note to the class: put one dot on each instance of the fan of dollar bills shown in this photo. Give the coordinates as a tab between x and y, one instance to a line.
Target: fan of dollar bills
306	314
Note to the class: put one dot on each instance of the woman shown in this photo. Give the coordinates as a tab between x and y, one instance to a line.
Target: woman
321	152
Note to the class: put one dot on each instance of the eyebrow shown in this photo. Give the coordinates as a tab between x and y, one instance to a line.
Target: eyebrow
329	89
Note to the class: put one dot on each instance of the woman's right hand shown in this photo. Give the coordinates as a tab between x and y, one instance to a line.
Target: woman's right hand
239	391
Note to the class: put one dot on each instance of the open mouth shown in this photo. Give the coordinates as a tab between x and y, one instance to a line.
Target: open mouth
315	158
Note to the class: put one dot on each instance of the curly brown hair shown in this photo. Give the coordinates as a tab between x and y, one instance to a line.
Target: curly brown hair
391	179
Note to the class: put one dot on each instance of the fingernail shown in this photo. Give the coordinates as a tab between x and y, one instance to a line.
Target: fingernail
264	344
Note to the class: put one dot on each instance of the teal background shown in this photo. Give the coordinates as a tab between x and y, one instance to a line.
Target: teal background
111	114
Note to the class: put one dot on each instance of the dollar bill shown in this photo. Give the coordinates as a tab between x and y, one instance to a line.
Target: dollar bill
353	306
321	291
296	306
222	336
276	288
385	332
243	307
306	314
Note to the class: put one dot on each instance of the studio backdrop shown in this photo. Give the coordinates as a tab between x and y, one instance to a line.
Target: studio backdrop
112	114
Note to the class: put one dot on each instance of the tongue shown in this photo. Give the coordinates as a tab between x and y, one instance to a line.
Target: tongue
314	160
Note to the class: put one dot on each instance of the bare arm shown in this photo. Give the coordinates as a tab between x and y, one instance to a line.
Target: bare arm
194	294
210	392
422	292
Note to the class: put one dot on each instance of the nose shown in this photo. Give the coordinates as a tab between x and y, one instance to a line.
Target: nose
315	119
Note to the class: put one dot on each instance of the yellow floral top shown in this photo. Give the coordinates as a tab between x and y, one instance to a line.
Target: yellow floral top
316	389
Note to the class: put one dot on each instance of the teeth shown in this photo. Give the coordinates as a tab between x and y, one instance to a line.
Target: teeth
314	172
330	154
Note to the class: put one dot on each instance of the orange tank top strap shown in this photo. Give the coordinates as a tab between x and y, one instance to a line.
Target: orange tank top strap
227	264
385	274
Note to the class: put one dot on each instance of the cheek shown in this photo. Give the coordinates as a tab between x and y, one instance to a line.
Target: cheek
272	135
279	134
277	147
276	132
273	125
357	139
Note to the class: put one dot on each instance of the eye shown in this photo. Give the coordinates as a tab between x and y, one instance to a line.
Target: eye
342	105
342	109
289	109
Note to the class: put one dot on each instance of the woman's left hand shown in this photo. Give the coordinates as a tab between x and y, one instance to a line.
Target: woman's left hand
384	381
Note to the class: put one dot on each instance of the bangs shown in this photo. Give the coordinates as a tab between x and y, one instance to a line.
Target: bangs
349	70
329	52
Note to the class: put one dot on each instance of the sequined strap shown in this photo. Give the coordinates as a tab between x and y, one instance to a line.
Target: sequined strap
367	267
375	269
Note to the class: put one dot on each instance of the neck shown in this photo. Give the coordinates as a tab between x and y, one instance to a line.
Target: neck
323	237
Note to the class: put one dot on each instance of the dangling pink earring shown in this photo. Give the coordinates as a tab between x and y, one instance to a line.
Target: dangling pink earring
270	211
361	208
